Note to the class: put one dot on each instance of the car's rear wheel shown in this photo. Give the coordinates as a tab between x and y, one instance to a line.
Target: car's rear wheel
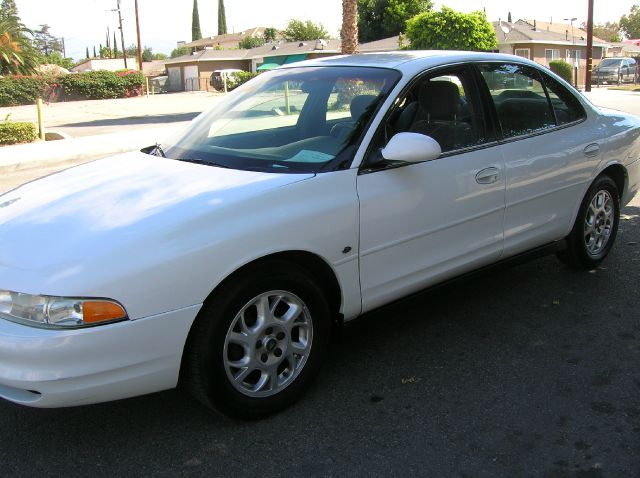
258	342
596	226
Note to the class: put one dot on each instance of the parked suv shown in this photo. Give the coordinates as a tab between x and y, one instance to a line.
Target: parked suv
615	70
218	76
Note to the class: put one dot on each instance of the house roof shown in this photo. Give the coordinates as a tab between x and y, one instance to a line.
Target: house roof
386	44
267	50
226	38
524	31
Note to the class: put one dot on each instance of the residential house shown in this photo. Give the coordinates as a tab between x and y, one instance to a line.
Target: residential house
227	41
192	72
544	42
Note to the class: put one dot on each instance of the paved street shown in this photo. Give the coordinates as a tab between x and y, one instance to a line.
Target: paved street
529	371
91	117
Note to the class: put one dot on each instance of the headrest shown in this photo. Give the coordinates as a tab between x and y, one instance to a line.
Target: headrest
440	99
359	104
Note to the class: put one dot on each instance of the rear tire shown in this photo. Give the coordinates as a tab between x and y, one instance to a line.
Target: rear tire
258	342
595	228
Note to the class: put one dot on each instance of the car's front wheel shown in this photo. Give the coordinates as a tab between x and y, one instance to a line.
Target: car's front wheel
258	342
596	226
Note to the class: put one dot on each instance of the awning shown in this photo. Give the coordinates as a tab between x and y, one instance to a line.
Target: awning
267	66
295	58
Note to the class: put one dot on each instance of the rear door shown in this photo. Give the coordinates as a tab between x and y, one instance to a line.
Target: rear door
550	151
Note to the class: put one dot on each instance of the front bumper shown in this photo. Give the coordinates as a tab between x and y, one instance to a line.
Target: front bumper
58	368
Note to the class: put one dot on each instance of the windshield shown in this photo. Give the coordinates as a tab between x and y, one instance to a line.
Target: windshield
610	62
288	120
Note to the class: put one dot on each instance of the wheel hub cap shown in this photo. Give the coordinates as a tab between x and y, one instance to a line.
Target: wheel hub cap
268	343
598	223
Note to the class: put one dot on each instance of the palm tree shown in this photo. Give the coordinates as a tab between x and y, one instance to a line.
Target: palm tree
17	56
349	32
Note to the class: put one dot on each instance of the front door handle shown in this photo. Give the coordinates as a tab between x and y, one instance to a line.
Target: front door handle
592	150
487	175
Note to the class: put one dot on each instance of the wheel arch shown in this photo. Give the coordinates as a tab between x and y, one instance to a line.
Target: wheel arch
313	263
618	173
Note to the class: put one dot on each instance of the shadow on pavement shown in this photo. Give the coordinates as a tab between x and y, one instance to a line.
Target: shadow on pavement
137	120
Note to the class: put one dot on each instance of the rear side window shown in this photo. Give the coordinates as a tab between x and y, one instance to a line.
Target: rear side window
519	97
566	106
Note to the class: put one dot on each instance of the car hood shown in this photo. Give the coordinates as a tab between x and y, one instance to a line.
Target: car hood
68	220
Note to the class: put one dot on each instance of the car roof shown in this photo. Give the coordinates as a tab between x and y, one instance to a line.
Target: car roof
410	60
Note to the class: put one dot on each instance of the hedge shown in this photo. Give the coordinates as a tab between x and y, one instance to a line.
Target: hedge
93	85
563	69
21	90
14	132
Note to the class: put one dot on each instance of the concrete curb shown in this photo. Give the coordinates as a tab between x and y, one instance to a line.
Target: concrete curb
23	156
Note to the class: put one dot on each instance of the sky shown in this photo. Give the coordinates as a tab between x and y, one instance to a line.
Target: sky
83	23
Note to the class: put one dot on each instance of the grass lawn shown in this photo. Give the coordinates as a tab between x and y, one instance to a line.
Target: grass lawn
625	87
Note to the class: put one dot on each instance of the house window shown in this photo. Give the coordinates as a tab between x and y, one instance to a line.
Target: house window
523	52
550	55
572	56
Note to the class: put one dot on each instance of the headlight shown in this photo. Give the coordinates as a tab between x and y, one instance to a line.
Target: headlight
58	312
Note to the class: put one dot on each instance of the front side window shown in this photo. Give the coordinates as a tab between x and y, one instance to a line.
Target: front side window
282	121
444	107
519	98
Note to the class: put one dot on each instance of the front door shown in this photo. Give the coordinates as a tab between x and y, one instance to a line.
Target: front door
426	222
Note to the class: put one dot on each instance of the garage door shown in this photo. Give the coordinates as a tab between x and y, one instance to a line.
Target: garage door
191	82
175	81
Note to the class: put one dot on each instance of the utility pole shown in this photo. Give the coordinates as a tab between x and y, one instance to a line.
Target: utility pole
587	81
124	50
138	33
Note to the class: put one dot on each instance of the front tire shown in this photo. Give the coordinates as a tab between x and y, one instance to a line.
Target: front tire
596	226
258	342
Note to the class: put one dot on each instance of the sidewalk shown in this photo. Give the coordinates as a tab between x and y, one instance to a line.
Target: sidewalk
25	162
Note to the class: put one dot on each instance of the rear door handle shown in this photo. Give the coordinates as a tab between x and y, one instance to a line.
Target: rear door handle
592	150
487	175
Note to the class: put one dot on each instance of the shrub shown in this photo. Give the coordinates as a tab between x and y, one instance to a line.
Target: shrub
13	133
563	69
21	90
99	85
93	85
236	79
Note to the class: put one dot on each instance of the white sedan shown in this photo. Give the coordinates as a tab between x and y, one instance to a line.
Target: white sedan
223	259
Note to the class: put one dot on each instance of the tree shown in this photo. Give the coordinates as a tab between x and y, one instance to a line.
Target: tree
87	53
349	32
196	34
249	42
180	51
270	34
94	52
451	30
378	19
609	31
222	18
56	58
509	18
297	30
115	45
630	24
8	10
45	42
17	55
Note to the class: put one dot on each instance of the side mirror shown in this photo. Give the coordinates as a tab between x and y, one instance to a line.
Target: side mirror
411	148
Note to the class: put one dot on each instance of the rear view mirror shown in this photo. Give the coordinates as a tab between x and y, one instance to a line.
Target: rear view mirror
411	148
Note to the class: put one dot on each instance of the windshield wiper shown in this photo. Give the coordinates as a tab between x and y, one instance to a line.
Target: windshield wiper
158	151
203	161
